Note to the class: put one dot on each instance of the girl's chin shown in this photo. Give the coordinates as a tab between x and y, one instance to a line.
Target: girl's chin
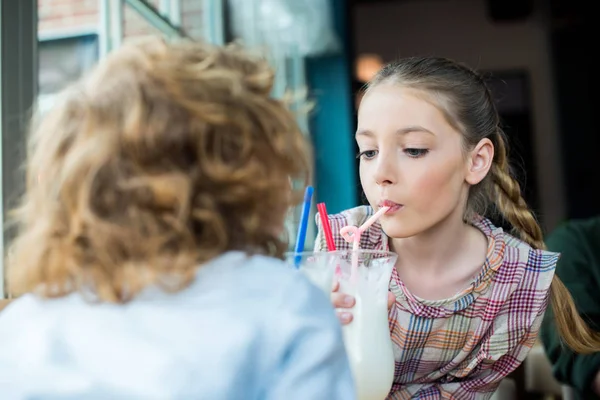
399	230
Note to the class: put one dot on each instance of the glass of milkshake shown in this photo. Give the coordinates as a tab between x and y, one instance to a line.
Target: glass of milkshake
317	267
365	274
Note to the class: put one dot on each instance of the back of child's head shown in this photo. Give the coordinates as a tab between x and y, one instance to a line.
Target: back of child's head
463	97
161	159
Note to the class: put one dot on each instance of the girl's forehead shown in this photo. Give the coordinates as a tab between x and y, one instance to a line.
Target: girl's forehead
397	105
390	110
395	97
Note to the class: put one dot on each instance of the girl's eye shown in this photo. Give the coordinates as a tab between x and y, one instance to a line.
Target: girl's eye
367	154
416	153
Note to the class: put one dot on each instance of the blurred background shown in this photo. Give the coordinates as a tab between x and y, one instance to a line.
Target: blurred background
536	55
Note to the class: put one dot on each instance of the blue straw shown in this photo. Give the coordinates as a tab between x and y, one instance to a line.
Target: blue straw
303	225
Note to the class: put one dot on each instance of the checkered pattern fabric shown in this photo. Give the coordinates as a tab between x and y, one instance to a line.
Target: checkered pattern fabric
462	347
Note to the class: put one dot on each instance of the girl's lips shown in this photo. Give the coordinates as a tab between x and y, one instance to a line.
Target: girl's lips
392	207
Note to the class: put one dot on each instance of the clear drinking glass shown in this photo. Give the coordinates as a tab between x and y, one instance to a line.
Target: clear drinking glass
365	274
318	267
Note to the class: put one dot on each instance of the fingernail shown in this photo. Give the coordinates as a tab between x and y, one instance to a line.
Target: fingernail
348	301
345	317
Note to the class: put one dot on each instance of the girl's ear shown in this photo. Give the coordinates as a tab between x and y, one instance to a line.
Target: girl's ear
479	162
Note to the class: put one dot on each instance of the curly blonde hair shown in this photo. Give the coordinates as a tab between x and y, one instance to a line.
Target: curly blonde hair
162	158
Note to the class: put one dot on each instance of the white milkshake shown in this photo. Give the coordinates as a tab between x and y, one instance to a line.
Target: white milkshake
317	267
321	275
367	338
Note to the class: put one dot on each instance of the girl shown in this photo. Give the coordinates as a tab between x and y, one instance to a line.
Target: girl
149	235
467	299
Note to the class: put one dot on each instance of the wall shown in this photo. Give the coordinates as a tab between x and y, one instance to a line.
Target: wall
54	15
58	16
78	22
459	29
332	123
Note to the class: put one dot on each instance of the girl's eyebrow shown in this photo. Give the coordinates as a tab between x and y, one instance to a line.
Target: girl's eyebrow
401	131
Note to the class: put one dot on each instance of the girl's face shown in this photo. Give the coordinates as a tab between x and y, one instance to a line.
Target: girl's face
412	160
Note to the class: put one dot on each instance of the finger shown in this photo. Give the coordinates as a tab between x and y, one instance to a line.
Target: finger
391	300
344	317
335	286
341	300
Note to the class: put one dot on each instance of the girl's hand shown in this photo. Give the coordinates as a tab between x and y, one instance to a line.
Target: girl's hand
342	302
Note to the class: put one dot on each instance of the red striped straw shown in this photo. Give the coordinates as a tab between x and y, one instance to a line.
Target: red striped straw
326	226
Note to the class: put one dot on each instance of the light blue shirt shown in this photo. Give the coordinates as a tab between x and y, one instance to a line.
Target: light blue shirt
247	328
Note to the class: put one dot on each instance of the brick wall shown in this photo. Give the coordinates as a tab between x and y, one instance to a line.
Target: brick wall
59	15
61	62
73	15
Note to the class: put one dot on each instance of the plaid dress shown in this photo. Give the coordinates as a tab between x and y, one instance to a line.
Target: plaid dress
461	347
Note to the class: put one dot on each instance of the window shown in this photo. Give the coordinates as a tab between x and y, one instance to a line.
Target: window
62	61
